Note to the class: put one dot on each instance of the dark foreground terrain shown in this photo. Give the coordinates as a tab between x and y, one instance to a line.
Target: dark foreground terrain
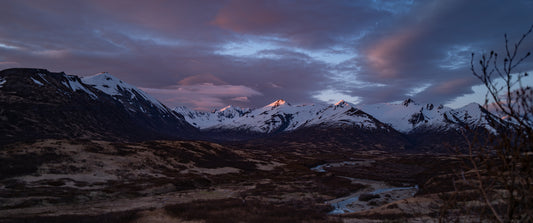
196	181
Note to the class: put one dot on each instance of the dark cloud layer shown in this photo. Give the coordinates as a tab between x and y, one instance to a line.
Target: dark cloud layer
207	54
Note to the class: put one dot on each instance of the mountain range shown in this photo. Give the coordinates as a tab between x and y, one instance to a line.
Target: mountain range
281	116
37	103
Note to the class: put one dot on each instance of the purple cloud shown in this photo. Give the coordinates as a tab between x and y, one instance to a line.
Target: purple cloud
203	97
249	53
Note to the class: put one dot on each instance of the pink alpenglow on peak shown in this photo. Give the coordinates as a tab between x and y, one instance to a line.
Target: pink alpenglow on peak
229	107
278	103
342	103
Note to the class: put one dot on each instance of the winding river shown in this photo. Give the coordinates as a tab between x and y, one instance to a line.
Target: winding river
351	203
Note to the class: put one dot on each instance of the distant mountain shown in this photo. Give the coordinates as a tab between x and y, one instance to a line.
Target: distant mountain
281	116
281	122
436	128
37	103
405	125
340	126
203	120
409	117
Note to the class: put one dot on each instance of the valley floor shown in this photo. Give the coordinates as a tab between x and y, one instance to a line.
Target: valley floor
195	181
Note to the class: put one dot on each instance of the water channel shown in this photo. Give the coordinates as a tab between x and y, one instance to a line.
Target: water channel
351	203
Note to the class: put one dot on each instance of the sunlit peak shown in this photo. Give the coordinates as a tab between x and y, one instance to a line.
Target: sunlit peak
106	75
225	108
277	103
341	103
408	101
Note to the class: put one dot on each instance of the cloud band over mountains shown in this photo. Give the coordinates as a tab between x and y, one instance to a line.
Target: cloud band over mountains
207	54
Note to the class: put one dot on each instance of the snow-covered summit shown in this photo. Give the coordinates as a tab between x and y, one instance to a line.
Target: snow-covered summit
474	114
204	120
277	103
119	89
342	103
231	111
409	116
105	82
408	101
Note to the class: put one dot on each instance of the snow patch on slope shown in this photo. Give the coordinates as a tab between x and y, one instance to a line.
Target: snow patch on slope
43	77
2	82
37	82
73	83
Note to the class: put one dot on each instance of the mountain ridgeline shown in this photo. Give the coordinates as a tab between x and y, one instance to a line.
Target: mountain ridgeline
382	126
39	104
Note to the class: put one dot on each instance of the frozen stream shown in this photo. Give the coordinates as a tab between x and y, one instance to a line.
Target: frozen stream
384	192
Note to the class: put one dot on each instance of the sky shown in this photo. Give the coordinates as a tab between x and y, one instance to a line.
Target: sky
208	54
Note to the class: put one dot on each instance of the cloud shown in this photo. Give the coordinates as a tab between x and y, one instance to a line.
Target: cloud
203	97
383	58
243	16
370	51
451	86
310	25
201	79
241	99
431	46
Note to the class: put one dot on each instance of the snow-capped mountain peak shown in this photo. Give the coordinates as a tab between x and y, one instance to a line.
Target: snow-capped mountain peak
106	83
204	120
277	103
409	116
117	88
408	101
342	104
229	107
231	112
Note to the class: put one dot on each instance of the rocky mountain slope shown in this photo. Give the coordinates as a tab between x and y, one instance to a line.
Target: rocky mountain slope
37	103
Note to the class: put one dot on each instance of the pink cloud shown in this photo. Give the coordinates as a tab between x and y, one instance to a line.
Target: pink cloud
385	57
451	86
242	99
202	97
202	79
244	15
